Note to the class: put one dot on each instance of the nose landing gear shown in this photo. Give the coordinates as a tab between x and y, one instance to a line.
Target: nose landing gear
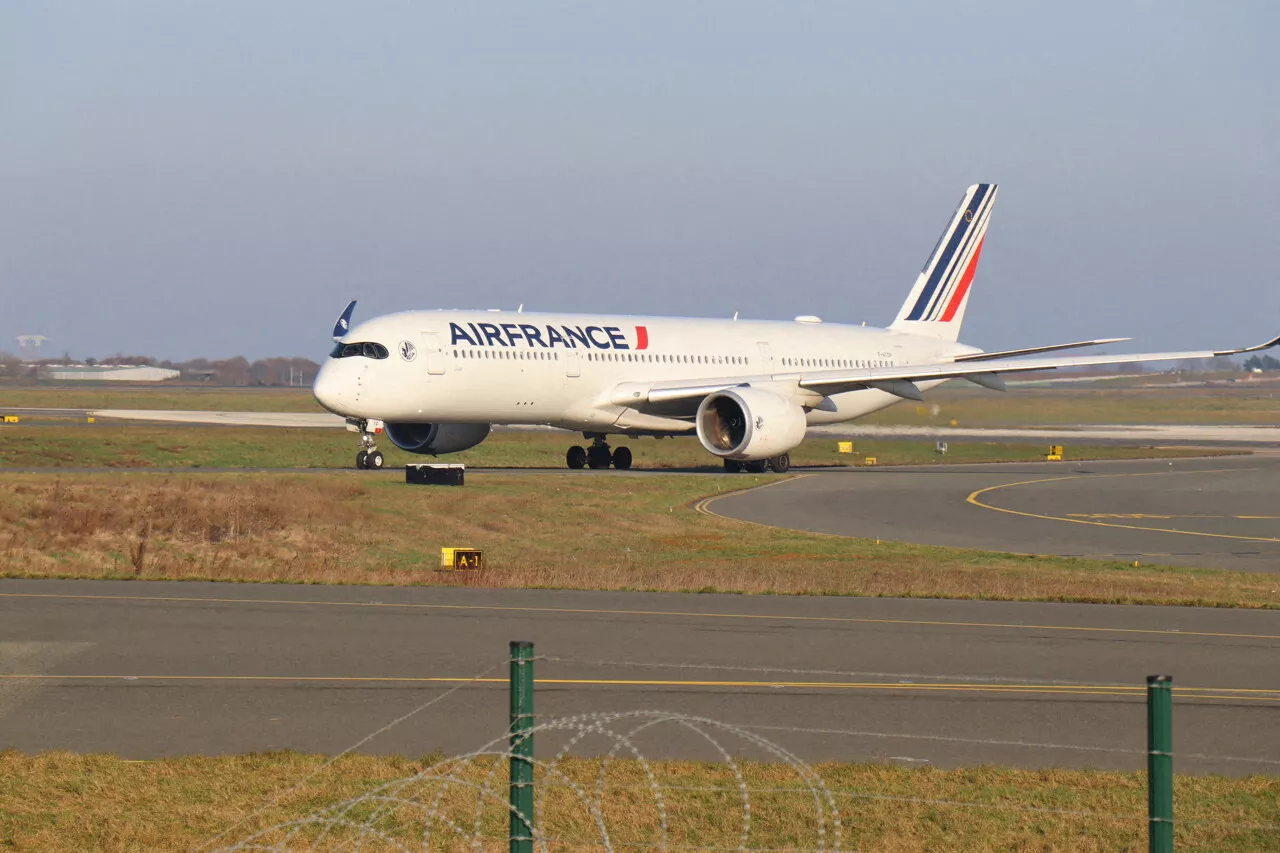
369	457
598	456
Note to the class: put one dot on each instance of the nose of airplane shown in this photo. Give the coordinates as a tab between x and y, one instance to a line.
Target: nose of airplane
328	389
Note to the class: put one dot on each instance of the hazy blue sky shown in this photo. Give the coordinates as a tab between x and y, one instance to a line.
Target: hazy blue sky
213	178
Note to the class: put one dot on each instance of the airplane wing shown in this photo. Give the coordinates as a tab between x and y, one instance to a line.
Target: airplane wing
1009	353
900	380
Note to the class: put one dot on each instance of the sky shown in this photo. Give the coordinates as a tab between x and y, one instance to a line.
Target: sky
182	179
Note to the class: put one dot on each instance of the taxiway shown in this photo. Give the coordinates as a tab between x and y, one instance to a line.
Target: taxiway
147	669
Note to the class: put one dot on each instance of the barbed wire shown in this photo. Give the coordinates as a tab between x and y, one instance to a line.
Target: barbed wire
1263	827
859	794
363	818
275	798
423	796
1000	742
457	800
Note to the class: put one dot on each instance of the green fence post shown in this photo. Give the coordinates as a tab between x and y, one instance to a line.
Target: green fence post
1160	763
521	826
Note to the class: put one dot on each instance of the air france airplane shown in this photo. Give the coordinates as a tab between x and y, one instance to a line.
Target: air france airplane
436	381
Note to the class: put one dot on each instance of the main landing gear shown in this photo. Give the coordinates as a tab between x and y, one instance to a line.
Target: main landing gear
598	455
777	464
369	457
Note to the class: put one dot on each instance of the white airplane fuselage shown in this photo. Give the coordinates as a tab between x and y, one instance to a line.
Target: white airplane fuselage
437	379
562	369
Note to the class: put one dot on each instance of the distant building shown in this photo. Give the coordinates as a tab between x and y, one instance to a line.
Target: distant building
118	373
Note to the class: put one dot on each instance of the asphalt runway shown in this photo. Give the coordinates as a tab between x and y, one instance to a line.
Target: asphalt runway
1221	513
147	669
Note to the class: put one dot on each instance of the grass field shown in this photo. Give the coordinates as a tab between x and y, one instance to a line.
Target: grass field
200	398
115	445
1241	402
58	802
553	530
1238	403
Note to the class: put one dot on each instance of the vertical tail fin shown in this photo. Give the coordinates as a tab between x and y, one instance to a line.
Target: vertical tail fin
935	307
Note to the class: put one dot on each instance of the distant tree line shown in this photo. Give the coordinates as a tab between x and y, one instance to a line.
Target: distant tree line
226	371
241	371
1261	362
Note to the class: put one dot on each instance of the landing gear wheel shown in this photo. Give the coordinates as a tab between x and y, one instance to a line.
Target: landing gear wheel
361	458
622	458
780	464
373	461
756	466
732	466
576	458
598	456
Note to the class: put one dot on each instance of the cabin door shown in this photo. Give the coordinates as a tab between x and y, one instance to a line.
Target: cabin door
766	357
434	352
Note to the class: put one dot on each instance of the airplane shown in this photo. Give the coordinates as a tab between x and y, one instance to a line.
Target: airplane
435	381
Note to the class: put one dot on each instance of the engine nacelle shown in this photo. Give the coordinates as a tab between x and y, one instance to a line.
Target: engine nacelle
436	438
749	423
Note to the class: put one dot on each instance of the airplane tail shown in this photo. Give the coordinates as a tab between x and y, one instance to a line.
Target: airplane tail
935	307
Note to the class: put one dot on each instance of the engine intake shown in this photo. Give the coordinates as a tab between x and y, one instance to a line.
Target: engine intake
432	439
749	423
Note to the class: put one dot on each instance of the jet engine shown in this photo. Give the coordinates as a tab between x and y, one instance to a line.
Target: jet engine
436	438
749	423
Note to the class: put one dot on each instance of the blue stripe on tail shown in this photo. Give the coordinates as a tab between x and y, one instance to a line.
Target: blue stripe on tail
975	233
967	222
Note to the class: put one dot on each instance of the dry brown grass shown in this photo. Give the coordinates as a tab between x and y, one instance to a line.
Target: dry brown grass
537	531
59	802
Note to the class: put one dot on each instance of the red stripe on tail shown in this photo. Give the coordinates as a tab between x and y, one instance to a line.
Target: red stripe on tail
958	297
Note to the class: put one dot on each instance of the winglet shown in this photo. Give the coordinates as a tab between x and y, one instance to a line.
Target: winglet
343	325
1268	345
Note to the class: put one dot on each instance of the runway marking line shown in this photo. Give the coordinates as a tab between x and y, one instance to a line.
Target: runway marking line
852	620
973	499
1228	693
702	505
1156	517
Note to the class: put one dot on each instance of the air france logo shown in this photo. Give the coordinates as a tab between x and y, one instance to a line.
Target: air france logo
408	351
565	337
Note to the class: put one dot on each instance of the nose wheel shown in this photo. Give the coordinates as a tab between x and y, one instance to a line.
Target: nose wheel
369	457
371	461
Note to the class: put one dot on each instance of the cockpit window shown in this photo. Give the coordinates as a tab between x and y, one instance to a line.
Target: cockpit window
366	349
